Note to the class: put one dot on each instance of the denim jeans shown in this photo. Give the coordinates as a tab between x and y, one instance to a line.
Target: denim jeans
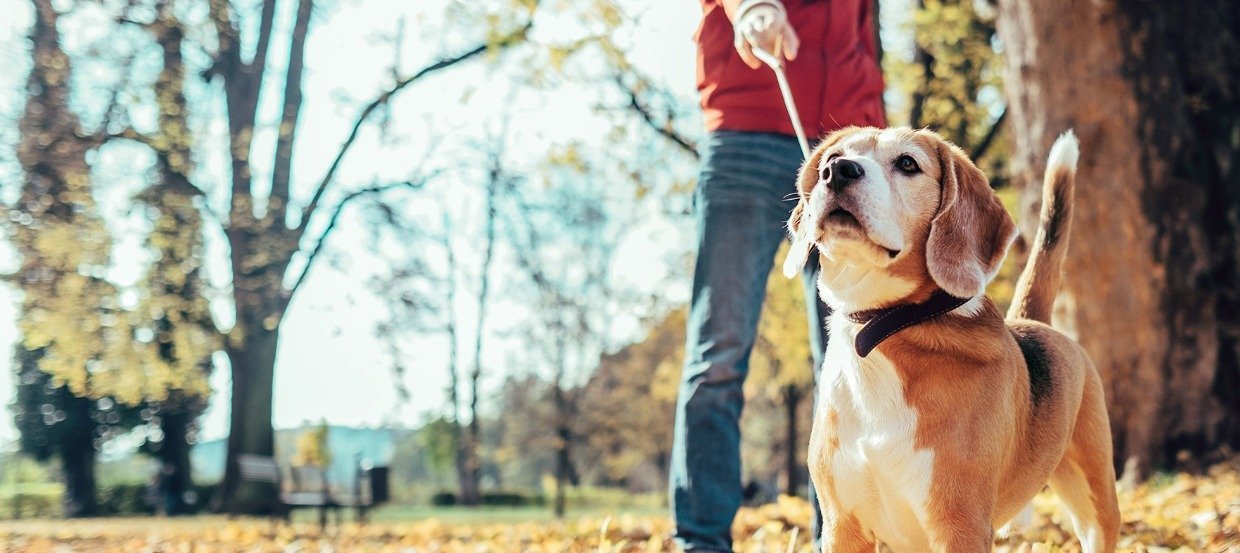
746	191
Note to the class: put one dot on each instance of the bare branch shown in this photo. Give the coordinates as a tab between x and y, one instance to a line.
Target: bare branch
644	111
287	131
335	217
266	22
983	146
386	97
128	133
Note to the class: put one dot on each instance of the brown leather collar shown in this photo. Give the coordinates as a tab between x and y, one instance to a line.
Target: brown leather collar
880	324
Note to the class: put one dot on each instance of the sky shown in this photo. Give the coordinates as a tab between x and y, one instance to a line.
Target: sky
330	366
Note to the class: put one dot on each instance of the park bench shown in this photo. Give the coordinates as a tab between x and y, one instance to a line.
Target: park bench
308	487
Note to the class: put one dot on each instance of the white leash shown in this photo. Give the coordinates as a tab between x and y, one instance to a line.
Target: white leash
777	65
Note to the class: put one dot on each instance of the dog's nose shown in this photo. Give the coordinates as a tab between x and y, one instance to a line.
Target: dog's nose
844	172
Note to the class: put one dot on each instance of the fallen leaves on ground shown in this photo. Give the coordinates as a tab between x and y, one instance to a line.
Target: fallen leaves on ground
1171	514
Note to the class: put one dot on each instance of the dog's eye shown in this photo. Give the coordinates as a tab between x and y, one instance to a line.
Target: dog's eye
907	164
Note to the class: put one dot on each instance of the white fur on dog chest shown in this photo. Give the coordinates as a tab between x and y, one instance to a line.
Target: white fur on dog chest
878	475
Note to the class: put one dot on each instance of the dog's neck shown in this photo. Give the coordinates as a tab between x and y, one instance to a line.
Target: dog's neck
881	303
850	286
880	324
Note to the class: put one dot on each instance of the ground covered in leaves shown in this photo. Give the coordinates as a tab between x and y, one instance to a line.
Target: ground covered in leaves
1174	513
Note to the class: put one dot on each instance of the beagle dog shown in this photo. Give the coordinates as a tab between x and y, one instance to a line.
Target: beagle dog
938	418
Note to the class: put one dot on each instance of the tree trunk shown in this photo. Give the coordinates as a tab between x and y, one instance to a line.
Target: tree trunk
473	467
793	464
250	430
174	452
563	435
77	457
467	480
1150	285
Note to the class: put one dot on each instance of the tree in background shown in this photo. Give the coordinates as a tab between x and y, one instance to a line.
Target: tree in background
1150	286
563	240
422	301
266	230
422	292
72	358
627	403
953	82
174	306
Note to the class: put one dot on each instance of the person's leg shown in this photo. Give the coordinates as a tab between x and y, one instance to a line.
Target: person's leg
741	214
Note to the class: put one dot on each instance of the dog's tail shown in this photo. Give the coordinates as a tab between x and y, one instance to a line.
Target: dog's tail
1039	282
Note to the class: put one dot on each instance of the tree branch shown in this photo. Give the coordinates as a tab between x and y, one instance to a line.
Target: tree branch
129	133
643	111
989	139
386	97
228	53
287	131
331	225
258	65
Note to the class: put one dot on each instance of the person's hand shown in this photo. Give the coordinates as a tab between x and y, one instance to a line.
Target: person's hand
764	24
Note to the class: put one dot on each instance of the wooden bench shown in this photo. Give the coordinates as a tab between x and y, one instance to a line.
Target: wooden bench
308	487
370	488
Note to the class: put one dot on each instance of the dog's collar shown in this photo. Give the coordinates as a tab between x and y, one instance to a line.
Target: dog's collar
880	324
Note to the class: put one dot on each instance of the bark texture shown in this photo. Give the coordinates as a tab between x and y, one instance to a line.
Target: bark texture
1150	285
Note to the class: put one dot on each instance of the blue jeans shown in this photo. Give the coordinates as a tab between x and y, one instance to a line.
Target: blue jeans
746	191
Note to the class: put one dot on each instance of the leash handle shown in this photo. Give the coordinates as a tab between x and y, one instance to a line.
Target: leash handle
777	65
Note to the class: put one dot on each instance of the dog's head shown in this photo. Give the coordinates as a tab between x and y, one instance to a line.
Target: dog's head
893	211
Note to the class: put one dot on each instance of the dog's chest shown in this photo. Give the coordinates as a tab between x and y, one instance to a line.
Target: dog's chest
876	472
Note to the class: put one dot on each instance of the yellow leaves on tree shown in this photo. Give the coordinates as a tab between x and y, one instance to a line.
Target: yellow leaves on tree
953	82
312	449
183	336
628	404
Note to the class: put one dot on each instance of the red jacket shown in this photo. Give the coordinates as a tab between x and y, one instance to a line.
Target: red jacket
835	79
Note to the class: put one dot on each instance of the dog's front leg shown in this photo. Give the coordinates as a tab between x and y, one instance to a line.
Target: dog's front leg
963	529
843	534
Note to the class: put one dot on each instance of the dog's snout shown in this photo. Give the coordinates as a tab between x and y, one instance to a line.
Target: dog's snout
843	172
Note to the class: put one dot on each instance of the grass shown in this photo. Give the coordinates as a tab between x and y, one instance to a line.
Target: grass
467	515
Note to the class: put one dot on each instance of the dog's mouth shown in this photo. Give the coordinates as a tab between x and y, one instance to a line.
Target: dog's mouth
844	218
846	225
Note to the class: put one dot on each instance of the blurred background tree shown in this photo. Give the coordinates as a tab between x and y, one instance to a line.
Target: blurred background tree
74	357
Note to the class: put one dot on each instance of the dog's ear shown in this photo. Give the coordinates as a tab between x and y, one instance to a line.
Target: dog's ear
802	242
971	232
800	230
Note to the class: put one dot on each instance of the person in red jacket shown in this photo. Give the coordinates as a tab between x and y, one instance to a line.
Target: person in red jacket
745	192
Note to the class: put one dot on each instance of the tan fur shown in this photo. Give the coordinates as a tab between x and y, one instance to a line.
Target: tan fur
1039	281
1005	407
